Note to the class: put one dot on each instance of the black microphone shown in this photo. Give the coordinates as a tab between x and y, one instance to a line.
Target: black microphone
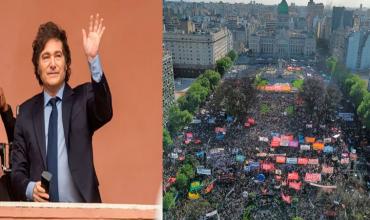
45	180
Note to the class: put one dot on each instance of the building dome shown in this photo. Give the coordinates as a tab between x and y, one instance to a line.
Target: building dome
283	7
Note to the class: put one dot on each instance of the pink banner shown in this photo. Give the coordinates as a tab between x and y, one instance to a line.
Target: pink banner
313	161
293	144
327	169
313	177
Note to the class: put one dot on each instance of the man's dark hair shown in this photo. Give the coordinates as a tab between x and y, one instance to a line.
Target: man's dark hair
46	32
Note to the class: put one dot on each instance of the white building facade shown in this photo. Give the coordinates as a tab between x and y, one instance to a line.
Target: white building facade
198	50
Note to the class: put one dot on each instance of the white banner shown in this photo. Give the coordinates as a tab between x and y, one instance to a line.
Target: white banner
305	147
264	139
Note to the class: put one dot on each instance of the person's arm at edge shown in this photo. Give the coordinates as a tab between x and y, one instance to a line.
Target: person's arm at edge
9	122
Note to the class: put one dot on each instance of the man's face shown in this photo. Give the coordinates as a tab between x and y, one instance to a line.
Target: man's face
52	65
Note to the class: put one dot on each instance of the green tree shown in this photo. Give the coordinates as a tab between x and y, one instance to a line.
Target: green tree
340	74
331	64
355	205
203	81
236	96
182	102
350	80
198	89
188	170
167	140
313	95
357	93
213	77
223	65
298	83
190	159
233	56
332	99
193	100
168	201
178	119
259	81
181	181
363	110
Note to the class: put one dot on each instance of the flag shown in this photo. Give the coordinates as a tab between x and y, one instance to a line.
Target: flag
286	198
293	176
209	188
295	185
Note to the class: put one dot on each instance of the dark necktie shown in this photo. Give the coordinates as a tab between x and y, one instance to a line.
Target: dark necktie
52	153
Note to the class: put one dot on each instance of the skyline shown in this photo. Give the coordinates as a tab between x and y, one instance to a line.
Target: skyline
345	3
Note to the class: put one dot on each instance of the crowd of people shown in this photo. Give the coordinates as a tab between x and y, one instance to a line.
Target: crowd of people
266	191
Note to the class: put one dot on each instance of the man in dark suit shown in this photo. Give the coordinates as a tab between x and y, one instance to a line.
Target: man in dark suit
54	129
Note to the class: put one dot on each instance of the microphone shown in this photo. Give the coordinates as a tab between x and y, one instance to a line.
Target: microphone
45	180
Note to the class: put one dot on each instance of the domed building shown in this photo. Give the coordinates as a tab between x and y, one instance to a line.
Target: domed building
282	41
283	15
283	8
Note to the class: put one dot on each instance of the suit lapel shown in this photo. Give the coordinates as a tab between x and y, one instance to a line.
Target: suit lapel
66	111
39	126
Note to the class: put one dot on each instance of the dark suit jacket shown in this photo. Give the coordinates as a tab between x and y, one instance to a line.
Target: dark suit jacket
9	122
84	109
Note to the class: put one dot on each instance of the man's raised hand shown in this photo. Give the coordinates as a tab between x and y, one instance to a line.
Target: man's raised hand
91	40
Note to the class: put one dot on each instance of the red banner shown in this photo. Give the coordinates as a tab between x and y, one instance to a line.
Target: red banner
280	159
293	176
251	121
302	161
268	166
275	142
295	185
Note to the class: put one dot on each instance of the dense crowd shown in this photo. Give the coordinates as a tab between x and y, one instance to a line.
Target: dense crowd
264	197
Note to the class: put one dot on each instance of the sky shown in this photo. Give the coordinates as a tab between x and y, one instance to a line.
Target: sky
346	3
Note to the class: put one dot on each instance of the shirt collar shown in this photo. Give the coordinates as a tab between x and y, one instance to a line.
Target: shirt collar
47	97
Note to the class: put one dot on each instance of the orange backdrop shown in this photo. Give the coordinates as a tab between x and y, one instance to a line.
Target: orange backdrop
127	151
